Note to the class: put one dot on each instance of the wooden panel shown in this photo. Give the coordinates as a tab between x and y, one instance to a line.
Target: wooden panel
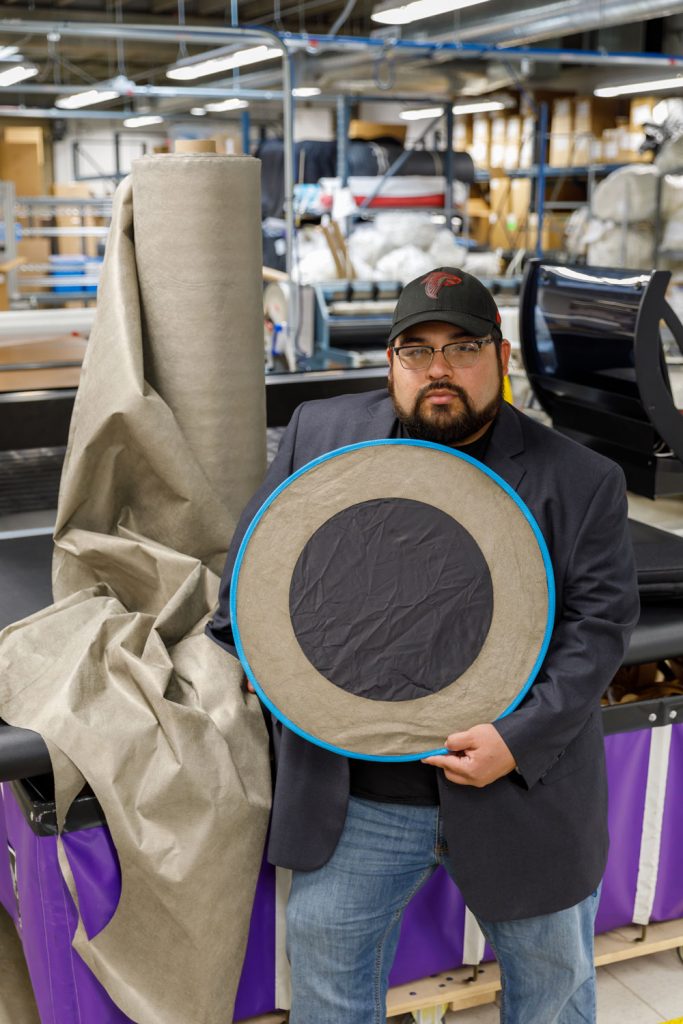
453	989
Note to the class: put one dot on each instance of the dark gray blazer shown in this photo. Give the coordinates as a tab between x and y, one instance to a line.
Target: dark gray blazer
535	841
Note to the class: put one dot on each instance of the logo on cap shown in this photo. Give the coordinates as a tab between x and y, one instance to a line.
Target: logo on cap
437	280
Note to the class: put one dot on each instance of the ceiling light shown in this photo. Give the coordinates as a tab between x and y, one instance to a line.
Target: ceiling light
624	90
302	91
8	51
478	108
236	59
403	14
198	111
142	121
19	73
419	114
86	99
227	105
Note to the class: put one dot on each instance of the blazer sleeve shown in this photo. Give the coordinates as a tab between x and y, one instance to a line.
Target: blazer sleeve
220	628
600	608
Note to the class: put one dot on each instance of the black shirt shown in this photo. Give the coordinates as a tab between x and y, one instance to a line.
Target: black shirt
409	782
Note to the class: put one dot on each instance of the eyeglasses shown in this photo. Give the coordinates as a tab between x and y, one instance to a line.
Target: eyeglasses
458	354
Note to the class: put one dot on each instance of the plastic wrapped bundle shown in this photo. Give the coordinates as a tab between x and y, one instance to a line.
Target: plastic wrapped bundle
629	194
167	442
616	245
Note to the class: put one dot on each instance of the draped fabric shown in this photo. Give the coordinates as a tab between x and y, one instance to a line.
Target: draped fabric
167	442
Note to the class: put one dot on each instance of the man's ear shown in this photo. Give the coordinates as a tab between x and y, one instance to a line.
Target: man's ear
505	350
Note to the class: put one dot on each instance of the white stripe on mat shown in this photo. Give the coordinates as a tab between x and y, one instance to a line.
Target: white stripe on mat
283	982
655	793
474	941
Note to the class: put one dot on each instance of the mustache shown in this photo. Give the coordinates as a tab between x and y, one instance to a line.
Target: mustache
453	388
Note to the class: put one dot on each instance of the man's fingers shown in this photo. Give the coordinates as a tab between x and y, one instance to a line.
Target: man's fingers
460	741
449	762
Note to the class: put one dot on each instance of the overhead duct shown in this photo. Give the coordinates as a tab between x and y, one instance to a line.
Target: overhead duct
546	21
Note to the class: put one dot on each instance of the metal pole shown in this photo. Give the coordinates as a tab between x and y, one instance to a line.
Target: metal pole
449	167
540	179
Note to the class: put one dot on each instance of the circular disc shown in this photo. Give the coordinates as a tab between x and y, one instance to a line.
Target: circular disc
390	593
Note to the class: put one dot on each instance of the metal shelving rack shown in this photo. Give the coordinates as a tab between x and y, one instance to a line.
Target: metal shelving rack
32	291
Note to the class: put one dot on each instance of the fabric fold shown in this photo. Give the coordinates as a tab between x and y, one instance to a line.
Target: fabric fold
167	443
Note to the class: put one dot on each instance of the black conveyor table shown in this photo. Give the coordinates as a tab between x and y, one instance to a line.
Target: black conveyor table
25	573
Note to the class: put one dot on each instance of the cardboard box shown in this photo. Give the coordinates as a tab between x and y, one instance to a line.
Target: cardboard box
527	147
593	114
31	135
561	133
498	140
370	130
560	149
478	212
23	163
462	133
480	150
642	110
611	145
513	142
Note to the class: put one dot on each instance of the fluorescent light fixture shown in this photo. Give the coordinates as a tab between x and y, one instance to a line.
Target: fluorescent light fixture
625	90
421	114
403	14
478	107
227	105
142	121
302	91
86	99
8	51
212	66
12	76
198	111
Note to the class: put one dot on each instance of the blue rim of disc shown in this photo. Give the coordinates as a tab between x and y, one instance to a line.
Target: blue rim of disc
234	582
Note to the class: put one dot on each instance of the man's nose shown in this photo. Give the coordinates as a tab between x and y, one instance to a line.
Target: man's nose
439	367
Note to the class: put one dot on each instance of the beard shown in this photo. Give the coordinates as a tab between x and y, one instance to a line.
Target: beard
441	424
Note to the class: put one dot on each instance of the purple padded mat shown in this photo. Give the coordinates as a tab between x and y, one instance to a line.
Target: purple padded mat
668	904
7	898
627	755
432	931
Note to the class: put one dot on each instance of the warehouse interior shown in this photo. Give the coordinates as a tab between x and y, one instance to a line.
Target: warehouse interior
539	149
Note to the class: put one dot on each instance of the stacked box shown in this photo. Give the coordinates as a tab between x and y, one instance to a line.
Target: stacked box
480	150
462	134
498	140
561	134
513	142
527	149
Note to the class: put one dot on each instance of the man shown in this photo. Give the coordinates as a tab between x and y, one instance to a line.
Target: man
516	811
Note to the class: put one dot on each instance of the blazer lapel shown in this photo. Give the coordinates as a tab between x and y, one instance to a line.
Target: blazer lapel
507	441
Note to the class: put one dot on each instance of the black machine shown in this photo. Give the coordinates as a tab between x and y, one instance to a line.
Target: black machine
592	348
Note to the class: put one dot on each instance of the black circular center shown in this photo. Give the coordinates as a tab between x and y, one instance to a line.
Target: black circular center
391	599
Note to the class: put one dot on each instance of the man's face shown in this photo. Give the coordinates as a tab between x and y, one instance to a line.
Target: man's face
441	403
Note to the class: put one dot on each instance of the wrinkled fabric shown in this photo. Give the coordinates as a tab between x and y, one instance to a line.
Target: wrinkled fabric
167	442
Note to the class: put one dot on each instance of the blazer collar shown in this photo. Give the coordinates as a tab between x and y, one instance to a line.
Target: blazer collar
507	440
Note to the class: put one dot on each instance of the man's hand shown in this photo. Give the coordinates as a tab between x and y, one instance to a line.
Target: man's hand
477	758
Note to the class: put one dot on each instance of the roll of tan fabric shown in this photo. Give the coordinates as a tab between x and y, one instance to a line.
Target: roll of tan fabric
199	270
167	442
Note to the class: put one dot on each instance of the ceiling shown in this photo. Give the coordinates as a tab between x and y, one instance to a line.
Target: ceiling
68	63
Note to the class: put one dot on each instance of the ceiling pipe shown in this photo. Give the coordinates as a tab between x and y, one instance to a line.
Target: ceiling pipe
556	19
313	44
160	91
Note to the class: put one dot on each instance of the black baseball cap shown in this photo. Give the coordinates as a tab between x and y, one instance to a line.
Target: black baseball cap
451	295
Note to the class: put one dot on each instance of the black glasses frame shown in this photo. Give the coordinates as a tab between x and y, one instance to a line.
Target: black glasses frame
479	342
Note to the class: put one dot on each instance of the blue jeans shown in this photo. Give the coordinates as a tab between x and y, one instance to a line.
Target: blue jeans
343	924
